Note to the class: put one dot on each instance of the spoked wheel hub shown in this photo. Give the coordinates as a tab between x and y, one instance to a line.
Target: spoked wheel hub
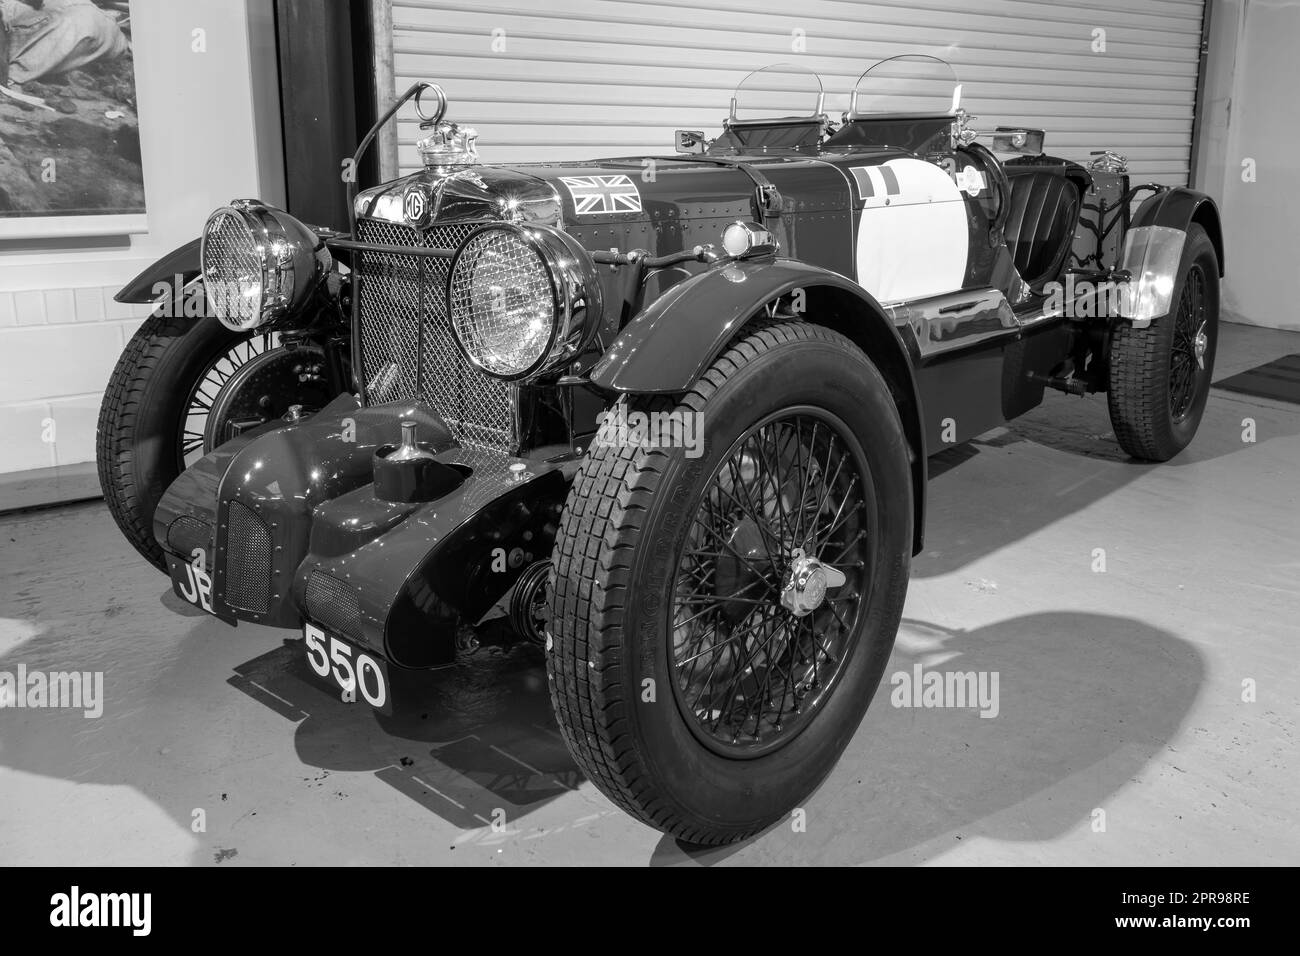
806	582
768	588
1201	346
1190	345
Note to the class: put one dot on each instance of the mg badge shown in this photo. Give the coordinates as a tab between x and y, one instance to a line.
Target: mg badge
415	206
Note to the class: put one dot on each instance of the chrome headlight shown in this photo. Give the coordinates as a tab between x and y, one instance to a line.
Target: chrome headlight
259	263
523	299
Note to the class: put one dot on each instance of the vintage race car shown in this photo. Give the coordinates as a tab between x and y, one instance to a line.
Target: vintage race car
672	413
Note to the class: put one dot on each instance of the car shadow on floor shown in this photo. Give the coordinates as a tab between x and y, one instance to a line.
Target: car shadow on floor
1060	459
475	743
1086	703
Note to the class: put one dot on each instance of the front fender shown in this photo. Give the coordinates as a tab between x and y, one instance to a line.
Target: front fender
1178	208
183	261
1153	250
666	347
670	343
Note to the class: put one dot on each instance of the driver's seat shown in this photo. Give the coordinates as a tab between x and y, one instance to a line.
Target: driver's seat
1043	211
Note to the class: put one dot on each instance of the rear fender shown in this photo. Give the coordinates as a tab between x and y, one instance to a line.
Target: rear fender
666	347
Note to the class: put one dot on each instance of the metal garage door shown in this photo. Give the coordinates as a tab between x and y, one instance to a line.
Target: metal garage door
580	78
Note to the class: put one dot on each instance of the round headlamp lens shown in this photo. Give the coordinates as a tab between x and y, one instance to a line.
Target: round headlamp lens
233	270
503	307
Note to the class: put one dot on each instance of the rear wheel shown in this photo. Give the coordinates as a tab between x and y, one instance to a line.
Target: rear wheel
1160	375
182	387
719	623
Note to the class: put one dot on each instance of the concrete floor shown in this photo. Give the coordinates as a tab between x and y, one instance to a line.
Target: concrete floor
1120	691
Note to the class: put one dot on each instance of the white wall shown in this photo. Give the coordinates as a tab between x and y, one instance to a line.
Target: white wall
209	132
1251	110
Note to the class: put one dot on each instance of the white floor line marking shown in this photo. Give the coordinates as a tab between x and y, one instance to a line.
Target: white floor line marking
1078	484
288	703
459	806
530	768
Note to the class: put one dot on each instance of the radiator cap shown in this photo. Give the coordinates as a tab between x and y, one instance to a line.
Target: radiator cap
409	471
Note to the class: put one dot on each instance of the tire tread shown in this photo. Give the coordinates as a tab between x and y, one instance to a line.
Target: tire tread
115	429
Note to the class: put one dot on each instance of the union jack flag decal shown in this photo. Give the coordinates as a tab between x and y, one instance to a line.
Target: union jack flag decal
600	194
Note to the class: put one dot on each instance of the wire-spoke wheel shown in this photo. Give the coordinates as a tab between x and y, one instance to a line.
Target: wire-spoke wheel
1160	375
200	427
751	666
720	617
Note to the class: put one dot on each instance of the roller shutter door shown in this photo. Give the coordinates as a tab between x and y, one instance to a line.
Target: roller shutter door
575	79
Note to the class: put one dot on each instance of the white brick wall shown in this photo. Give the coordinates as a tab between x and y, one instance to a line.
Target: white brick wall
59	347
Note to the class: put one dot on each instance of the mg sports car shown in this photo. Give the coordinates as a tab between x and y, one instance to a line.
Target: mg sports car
670	416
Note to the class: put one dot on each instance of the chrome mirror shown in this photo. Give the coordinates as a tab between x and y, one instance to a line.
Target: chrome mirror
690	141
1014	139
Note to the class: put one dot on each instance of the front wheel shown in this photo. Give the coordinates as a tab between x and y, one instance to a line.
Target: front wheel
722	612
182	387
1160	376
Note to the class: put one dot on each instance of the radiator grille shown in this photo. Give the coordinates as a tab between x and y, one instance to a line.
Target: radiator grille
248	560
407	349
334	604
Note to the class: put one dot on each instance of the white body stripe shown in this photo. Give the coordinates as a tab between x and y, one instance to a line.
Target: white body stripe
914	243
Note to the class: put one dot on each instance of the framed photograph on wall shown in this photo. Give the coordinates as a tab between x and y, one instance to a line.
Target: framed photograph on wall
69	133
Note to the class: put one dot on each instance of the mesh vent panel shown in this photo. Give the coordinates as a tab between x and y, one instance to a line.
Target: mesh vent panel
334	604
187	533
248	561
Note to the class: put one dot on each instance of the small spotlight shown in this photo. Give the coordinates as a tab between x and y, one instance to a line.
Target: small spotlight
744	240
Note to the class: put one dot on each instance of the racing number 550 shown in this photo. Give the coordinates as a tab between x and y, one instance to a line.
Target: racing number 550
338	664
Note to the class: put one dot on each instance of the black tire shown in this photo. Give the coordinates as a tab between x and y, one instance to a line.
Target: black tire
615	571
1152	416
138	438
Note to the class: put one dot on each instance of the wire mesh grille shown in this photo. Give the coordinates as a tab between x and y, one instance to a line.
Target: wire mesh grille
232	268
334	604
248	561
187	533
407	347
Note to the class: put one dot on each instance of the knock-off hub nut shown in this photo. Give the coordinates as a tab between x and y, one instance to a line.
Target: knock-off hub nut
806	582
